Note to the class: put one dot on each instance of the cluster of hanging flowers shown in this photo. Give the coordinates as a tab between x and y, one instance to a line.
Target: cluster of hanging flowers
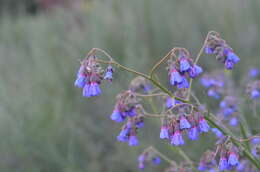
192	124
253	89
127	109
224	53
148	156
182	68
228	157
214	82
90	75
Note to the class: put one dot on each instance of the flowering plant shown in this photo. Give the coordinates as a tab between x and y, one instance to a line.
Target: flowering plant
182	113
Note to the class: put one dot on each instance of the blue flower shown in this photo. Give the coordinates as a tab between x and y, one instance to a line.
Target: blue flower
117	116
213	93
123	135
223	164
229	64
233	121
233	159
133	141
193	133
255	94
203	125
139	124
184	123
141	166
255	140
164	134
177	139
156	160
109	73
208	50
184	65
80	81
184	83
228	111
206	82
131	112
195	71
91	89
233	57
253	72
86	90
175	77
217	132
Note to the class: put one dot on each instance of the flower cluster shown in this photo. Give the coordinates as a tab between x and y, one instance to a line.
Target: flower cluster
228	158
90	75
127	108
254	72
146	157
182	68
207	161
174	127
253	89
229	110
214	82
224	53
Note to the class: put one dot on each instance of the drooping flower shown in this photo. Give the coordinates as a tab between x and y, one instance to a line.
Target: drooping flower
183	84
117	116
184	64
184	123
208	50
213	93
203	125
253	72
80	81
109	73
164	134
133	141
193	133
231	59
123	135
233	121
255	94
94	89
156	160
233	159
175	77
195	71
223	163
177	139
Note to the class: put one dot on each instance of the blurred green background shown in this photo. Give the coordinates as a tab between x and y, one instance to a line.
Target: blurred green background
45	123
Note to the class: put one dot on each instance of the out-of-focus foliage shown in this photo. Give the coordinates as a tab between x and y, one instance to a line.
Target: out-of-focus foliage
45	123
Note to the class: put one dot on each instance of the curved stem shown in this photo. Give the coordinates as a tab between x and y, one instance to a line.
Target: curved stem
160	62
196	61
